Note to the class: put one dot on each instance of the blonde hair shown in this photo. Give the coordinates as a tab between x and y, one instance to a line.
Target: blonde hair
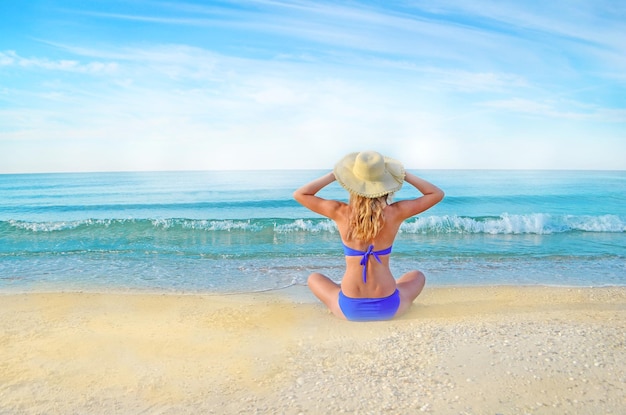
366	217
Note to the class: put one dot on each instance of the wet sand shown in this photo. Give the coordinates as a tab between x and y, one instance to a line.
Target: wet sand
479	350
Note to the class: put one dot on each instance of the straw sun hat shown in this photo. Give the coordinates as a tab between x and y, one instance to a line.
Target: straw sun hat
369	174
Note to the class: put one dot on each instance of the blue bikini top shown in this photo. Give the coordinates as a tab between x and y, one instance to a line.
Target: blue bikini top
365	256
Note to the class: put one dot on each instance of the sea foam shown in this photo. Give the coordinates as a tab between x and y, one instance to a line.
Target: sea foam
536	223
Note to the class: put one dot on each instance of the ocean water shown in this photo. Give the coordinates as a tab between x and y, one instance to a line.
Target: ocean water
228	232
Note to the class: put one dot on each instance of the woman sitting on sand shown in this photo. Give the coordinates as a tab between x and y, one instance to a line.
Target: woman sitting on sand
368	226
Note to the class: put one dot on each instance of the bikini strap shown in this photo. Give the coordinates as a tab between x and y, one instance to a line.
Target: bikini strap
365	256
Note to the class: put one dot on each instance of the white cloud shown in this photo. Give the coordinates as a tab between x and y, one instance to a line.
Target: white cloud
596	22
179	107
11	58
558	109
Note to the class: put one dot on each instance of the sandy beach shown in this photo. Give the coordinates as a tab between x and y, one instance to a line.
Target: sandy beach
479	350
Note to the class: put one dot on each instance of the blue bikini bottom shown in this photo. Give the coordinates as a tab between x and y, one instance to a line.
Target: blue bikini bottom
369	309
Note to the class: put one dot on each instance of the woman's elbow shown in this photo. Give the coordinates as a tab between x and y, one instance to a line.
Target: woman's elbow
298	195
439	195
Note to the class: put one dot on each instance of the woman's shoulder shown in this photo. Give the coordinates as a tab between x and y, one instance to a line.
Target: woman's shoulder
404	209
395	212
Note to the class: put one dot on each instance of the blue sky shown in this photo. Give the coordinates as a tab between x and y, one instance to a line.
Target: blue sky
106	85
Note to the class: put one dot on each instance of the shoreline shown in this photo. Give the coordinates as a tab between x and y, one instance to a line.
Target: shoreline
474	350
294	291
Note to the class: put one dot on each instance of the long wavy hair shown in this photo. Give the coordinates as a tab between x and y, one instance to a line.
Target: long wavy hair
366	217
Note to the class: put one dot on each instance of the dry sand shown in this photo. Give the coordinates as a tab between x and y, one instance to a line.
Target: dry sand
481	350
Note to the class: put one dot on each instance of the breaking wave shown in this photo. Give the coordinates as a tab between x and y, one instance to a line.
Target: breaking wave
538	223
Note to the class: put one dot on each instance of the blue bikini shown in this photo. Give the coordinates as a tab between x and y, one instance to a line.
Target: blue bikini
368	309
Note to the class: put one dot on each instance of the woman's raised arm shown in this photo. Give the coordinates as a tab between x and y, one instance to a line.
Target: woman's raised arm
431	195
306	196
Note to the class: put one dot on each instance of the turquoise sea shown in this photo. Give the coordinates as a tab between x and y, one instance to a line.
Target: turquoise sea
241	231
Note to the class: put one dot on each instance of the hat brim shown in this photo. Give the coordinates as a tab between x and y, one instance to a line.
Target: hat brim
391	181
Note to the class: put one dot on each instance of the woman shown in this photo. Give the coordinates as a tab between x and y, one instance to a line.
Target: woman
368	226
